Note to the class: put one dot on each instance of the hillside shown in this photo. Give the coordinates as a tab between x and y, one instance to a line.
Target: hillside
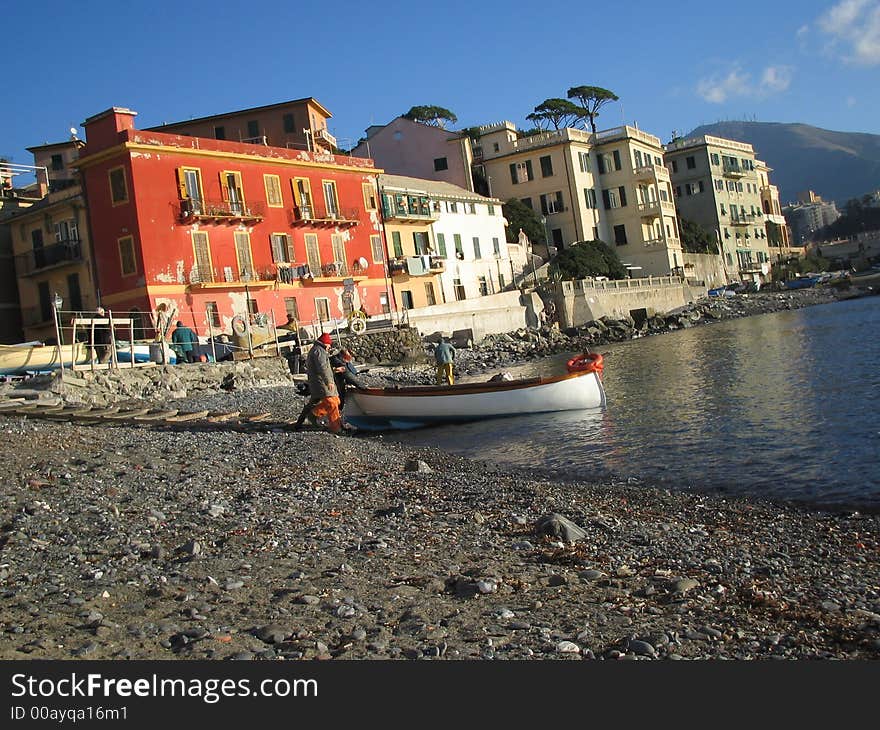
836	165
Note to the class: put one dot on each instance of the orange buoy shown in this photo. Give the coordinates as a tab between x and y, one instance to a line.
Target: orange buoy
590	362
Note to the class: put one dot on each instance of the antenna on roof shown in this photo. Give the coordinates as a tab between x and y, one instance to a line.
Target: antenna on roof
73	133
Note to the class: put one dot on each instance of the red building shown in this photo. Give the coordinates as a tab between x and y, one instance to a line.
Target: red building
216	228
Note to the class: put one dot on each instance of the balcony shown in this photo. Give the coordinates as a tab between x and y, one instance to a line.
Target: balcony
193	210
336	271
651	209
422	265
734	170
409	209
651	172
47	257
325	138
745	220
307	215
229	278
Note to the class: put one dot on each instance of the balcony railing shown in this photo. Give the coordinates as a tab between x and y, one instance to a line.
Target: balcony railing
58	254
232	276
651	209
428	266
219	211
322	135
745	220
410	208
651	172
733	170
309	215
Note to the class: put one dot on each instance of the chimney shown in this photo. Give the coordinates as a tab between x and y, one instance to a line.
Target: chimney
106	129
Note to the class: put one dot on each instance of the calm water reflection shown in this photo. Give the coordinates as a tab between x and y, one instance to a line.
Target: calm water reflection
782	405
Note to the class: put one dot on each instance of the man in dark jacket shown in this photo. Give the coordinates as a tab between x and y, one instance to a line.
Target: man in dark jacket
324	401
182	340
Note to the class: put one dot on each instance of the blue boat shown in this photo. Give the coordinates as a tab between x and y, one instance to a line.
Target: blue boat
805	282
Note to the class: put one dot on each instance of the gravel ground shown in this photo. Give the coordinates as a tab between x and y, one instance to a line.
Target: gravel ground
125	542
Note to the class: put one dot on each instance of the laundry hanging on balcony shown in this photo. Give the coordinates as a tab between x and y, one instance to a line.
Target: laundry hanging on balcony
418	265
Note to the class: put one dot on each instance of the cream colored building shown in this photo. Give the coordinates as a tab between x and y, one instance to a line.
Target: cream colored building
445	243
778	235
717	184
610	186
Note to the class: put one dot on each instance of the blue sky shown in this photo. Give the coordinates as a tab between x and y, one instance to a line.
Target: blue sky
675	65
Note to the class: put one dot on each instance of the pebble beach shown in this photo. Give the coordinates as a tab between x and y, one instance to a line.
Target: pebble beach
126	541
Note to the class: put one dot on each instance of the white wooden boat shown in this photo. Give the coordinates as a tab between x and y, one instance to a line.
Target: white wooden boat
144	352
35	357
416	406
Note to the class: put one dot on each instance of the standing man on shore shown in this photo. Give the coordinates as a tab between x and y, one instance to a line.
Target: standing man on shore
444	356
183	340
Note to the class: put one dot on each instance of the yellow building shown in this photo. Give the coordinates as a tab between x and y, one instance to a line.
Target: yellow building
609	186
717	184
778	236
408	213
52	255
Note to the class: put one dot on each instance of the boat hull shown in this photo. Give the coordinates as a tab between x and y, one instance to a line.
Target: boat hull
401	408
24	359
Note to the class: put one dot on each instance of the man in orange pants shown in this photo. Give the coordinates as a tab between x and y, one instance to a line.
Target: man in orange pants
324	401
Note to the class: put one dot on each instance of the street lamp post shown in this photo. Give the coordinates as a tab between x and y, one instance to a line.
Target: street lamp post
56	312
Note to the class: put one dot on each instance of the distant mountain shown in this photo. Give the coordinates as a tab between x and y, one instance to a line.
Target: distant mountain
836	165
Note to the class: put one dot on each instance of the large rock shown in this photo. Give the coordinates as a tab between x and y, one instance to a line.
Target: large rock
555	525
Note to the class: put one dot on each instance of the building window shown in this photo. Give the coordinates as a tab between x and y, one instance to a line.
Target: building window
496	147
637	156
369	196
452	207
674	166
552	203
313	254
477	253
546	166
396	244
484	286
459	249
330	200
526	202
253	129
521	172
496	247
429	294
289	126
243	254
441	244
440	164
57	162
282	251
118	186
376	248
213	314
472	208
189	184
590	197
420	243
616	156
74	294
322	309
273	191
458	288
490	209
202	266
219	132
714	158
292	308
556	235
406	298
232	191
584	161
690	162
620	235
127	260
337	241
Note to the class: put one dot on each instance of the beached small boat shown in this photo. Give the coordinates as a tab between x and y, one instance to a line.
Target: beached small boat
144	352
415	406
805	282
35	357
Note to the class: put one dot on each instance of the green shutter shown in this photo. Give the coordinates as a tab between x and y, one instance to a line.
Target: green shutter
513	173
441	244
395	239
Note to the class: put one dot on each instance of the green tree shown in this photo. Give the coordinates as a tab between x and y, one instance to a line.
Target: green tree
435	116
520	217
695	238
559	112
591	99
588	258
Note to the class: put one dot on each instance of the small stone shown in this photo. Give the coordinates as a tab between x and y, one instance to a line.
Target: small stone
417	465
642	648
555	525
272	633
568	647
308	600
232	585
487	586
683	585
588	576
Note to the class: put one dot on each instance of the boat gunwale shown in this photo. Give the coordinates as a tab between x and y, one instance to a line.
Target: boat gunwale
469	388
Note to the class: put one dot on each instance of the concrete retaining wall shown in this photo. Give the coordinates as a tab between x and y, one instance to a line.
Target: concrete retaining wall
487	315
578	302
705	267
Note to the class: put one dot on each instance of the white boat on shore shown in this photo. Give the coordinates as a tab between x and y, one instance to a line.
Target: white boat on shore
35	357
415	406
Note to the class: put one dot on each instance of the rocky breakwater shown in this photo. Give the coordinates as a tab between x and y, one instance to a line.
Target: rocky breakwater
397	345
125	542
527	344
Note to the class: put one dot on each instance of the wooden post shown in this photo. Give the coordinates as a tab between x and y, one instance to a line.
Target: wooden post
114	361
275	333
211	337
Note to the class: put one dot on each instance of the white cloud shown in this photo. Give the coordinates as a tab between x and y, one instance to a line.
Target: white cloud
738	84
855	25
